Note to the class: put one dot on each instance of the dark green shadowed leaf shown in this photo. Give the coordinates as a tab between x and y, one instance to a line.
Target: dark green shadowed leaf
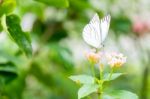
56	3
1	27
121	24
80	5
20	37
61	56
8	72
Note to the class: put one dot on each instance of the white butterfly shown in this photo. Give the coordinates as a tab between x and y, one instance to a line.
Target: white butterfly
95	32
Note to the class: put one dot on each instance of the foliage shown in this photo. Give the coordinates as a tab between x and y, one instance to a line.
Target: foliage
91	84
20	37
58	3
35	63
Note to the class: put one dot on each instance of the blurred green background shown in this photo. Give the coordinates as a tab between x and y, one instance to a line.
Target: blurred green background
55	28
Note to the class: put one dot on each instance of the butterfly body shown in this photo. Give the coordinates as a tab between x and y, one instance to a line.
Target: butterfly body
95	32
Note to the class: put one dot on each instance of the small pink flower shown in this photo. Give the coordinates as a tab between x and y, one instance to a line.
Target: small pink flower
115	59
93	57
141	27
138	27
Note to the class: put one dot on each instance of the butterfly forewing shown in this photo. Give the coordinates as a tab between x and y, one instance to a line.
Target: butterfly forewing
90	35
104	23
91	32
95	19
95	23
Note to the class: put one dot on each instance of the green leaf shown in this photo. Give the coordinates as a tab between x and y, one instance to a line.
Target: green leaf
84	79
32	7
20	37
120	94
60	55
80	5
3	22
7	6
87	89
8	72
56	3
114	76
121	24
1	27
57	81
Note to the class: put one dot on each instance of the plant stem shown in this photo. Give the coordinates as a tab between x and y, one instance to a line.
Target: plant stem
101	83
92	69
112	70
2	83
101	72
100	96
144	88
89	97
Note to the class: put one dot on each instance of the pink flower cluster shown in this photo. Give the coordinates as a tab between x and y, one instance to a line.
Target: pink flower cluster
114	59
93	57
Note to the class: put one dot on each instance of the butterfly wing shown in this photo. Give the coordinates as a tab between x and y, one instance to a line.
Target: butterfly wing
104	24
95	19
91	32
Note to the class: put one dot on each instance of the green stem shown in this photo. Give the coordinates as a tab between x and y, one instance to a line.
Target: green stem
100	96
101	83
92	69
2	83
101	73
112	70
144	89
89	97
